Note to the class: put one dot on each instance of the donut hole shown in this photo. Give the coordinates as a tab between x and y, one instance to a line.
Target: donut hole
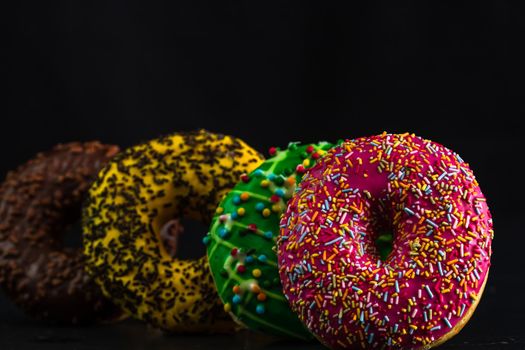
72	236
384	244
69	231
182	238
381	229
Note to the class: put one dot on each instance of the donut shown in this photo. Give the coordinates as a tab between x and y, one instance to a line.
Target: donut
145	187
38	202
242	238
427	288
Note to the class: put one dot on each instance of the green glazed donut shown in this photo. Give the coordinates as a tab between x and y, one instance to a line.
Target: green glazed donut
241	241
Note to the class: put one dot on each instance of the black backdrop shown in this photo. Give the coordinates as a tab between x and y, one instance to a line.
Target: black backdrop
272	72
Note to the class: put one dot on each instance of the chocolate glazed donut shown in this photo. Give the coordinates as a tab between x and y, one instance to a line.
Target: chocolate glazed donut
38	202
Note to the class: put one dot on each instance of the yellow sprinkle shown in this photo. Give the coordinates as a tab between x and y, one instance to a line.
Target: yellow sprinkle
266	212
219	210
227	307
265	183
241	211
306	162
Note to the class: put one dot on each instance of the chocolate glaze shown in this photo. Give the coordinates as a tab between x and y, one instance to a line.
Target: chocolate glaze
38	202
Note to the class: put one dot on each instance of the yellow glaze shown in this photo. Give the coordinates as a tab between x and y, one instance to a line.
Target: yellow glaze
140	190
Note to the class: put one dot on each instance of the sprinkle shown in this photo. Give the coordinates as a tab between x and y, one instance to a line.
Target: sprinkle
256	273
409	211
431	223
279	192
334	241
260	309
427	288
223	232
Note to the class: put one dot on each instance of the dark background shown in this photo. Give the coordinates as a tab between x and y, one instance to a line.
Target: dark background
271	72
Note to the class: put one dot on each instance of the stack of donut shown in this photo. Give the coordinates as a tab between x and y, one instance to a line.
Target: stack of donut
379	242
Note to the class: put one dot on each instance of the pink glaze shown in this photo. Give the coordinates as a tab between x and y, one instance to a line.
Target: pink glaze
328	263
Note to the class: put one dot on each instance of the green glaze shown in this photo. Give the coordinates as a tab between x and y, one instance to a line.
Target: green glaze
236	249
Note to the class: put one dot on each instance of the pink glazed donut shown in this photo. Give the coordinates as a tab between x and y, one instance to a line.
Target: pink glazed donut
428	287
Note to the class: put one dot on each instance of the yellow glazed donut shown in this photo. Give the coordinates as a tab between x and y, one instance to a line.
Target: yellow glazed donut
135	195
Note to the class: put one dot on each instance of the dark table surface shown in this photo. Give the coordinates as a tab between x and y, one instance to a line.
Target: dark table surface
498	323
134	335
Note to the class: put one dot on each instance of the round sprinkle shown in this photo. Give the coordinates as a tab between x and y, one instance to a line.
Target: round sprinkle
279	192
262	258
236	299
259	206
266	212
275	198
306	162
206	240
272	151
236	289
261	296
236	200
268	235
241	211
241	268
252	227
254	288
310	149
245	196
265	183
227	307
258	173
249	259
245	178
300	169
256	273
234	251
219	210
260	309
223	232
